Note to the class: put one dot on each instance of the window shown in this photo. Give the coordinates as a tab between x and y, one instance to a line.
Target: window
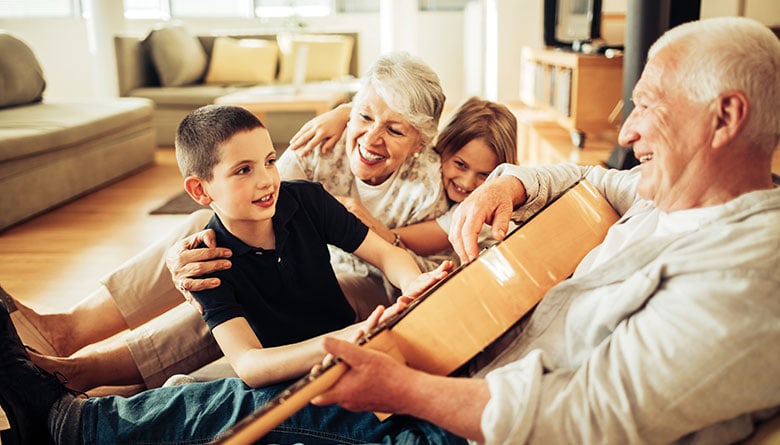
147	9
210	8
39	8
165	9
290	8
357	5
442	5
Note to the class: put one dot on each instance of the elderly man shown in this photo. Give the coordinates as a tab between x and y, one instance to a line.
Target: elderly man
667	331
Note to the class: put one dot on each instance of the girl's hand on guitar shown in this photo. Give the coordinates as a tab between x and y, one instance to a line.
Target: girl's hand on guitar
428	279
373	382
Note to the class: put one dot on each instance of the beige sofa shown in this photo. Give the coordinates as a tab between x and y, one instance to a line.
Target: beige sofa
52	151
181	71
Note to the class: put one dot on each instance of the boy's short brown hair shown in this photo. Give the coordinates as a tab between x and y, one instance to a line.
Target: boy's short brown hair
201	133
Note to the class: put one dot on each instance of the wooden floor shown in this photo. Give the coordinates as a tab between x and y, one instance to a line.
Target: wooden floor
54	260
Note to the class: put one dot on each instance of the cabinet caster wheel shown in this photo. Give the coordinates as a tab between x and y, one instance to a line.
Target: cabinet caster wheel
577	138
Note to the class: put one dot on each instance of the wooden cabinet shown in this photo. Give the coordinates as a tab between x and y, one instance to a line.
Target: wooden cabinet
581	90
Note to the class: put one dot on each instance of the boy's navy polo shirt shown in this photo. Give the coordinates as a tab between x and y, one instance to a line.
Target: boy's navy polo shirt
289	294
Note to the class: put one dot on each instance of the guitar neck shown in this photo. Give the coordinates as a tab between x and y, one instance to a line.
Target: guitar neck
283	405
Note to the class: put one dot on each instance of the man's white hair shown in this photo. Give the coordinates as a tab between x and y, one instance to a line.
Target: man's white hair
730	53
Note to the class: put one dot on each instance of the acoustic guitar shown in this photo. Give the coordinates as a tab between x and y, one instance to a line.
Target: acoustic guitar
469	309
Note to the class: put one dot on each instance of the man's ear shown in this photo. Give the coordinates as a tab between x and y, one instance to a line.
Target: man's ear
195	187
732	111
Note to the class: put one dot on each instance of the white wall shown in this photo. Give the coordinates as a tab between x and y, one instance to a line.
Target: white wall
63	45
61	48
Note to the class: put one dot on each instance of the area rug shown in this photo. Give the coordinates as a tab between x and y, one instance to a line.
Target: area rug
182	203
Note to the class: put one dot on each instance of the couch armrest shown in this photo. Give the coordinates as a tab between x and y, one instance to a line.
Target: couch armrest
133	63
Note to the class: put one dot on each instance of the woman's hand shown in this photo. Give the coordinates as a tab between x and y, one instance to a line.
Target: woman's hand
186	261
324	130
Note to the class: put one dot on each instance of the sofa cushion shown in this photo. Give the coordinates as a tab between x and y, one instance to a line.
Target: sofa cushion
21	76
28	130
251	61
328	56
177	55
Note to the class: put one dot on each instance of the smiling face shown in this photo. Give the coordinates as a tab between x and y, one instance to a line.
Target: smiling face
467	169
670	135
378	139
245	183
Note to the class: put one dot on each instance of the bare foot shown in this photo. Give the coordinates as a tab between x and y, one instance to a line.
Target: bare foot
76	374
109	363
54	328
71	371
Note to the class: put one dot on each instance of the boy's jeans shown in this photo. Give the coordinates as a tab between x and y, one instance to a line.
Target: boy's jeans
196	413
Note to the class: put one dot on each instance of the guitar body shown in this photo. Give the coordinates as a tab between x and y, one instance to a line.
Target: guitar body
468	310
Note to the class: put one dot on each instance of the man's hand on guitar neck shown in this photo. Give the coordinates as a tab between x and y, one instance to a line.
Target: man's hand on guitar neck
491	203
376	382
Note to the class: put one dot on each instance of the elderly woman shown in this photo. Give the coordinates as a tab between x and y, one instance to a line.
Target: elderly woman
384	160
392	170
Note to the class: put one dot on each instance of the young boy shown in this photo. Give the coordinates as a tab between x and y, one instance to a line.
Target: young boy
280	295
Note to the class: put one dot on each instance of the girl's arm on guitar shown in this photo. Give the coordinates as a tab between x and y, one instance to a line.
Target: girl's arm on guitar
376	382
398	266
423	238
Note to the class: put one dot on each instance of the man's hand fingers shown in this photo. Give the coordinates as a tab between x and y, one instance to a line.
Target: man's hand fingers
207	237
187	285
501	224
464	236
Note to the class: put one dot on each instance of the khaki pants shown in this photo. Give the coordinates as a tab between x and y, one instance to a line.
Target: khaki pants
168	336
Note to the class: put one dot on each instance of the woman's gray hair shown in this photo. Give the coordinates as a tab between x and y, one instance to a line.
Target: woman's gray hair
409	87
731	53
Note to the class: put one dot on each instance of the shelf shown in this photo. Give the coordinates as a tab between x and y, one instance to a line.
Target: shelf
542	140
581	90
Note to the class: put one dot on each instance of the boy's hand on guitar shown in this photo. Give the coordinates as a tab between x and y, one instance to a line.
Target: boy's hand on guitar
492	203
355	332
425	280
374	381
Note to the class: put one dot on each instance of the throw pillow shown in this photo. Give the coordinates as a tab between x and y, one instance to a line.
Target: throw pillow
328	56
177	55
242	61
21	76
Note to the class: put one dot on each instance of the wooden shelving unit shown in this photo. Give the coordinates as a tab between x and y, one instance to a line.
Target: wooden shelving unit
542	140
581	90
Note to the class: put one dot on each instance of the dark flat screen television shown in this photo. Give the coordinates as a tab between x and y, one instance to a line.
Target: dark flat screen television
570	23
